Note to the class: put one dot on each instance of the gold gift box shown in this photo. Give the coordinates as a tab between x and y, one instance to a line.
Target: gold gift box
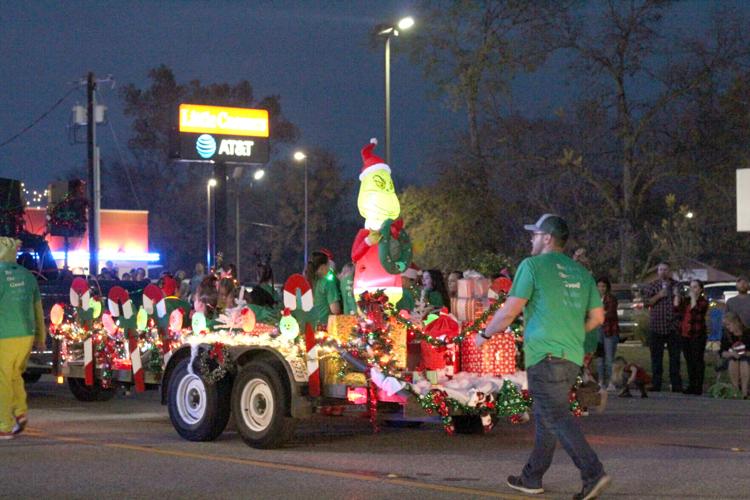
342	326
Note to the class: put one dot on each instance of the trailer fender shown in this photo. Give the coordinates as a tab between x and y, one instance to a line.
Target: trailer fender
171	359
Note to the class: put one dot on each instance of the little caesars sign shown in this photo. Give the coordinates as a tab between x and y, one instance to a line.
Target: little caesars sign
217	133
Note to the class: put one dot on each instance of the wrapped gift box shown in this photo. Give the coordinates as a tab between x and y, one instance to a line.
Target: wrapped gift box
497	355
467	309
432	358
473	288
342	326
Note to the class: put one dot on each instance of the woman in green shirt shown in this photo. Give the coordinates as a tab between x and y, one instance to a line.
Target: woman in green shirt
326	295
346	281
265	282
434	288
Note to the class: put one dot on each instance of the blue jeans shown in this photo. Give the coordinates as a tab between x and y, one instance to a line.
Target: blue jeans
550	381
674	344
605	364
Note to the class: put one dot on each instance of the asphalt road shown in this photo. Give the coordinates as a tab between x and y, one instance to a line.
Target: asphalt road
668	446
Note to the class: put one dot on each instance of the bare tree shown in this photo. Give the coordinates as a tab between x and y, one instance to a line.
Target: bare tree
639	72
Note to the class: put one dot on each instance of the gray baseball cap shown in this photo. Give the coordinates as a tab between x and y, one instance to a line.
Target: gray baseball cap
550	224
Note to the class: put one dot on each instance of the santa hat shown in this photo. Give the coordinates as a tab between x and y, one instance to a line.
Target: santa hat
327	253
169	285
412	272
370	161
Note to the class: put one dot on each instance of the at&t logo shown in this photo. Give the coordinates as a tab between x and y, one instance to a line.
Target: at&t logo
206	146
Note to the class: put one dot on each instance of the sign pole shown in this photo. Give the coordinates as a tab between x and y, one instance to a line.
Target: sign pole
221	239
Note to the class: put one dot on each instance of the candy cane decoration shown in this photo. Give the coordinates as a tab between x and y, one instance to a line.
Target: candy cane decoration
297	283
80	295
156	307
313	365
135	361
120	298
88	361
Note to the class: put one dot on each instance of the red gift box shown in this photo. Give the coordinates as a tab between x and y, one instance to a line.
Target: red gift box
432	358
497	355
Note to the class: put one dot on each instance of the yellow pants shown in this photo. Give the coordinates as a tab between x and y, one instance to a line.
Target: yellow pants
14	353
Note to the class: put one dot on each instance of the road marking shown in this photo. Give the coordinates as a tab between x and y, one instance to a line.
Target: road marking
288	467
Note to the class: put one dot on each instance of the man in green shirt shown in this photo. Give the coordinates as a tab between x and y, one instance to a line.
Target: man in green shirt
560	303
21	325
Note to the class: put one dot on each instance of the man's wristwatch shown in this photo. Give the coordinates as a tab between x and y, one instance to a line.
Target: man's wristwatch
485	336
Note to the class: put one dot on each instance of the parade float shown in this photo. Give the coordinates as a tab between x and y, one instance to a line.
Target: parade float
267	376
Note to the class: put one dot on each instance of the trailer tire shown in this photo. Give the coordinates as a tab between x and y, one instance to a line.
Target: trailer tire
88	394
260	403
31	377
468	424
199	411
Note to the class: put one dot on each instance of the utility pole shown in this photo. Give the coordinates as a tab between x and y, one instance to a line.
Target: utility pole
94	178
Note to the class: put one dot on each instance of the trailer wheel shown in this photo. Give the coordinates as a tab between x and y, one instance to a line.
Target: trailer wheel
83	392
260	403
31	377
198	411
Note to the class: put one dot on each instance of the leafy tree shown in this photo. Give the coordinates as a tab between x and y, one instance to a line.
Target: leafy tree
448	222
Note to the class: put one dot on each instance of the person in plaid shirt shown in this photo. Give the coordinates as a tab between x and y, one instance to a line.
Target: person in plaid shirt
693	309
661	296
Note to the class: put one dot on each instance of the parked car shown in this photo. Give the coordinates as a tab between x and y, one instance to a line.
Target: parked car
720	292
629	304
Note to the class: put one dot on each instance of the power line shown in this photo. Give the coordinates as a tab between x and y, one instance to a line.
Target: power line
42	117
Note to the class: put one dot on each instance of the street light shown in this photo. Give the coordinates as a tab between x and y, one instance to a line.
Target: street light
299	156
689	215
209	224
388	32
258	174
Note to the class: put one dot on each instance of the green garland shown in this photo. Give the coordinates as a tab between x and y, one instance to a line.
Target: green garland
155	360
508	402
468	330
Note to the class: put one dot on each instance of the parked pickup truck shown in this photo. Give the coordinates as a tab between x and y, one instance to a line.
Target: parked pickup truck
58	291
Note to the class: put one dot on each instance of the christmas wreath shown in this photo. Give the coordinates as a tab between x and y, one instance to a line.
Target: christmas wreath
394	252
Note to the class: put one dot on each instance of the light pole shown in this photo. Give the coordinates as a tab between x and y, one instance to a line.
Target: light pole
299	156
209	225
257	175
388	32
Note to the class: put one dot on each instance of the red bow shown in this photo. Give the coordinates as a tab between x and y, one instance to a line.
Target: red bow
396	227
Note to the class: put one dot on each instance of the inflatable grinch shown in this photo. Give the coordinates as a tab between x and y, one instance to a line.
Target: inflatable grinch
381	250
